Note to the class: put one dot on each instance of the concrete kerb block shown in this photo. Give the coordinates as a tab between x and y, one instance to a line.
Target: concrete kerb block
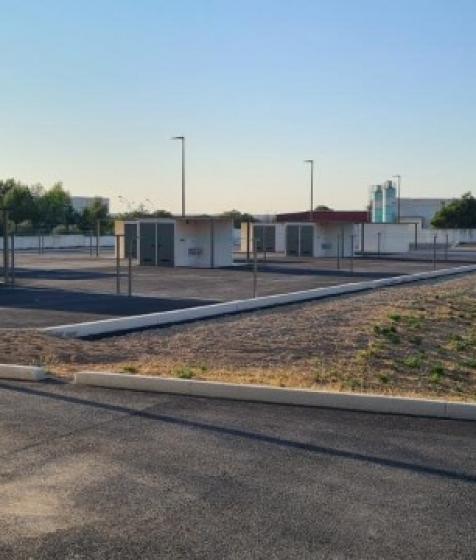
22	373
123	324
278	395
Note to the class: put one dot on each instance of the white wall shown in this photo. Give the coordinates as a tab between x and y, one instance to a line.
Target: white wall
394	238
60	241
193	236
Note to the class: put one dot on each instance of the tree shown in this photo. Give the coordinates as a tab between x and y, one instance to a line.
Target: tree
91	215
54	207
20	204
238	217
458	214
323	208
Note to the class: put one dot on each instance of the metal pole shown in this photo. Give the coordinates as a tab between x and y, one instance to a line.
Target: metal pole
248	235
91	243
362	239
446	247
39	242
12	262
311	211
98	233
338	252
212	243
5	244
129	276
416	236
255	269
352	253
183	176
118	264
378	243
434	252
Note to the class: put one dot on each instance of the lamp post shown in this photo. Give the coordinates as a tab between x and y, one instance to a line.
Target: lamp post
182	139
311	162
399	180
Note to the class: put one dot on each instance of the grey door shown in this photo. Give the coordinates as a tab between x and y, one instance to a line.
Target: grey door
130	240
292	240
258	233
165	244
269	239
307	241
147	244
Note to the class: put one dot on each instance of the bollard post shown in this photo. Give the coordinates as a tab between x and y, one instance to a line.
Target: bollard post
118	264
255	269
129	277
12	260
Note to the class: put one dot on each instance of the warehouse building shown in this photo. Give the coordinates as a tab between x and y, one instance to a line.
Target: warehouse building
192	241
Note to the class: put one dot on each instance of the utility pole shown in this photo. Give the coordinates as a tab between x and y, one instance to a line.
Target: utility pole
182	139
311	162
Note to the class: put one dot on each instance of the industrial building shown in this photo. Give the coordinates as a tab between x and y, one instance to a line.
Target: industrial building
193	241
304	234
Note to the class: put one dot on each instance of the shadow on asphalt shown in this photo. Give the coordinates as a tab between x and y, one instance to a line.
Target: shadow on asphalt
243	434
89	302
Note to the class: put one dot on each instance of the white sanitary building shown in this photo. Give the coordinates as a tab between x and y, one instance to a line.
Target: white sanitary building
194	241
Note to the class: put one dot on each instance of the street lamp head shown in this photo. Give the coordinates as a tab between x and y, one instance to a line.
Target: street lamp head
308	161
178	138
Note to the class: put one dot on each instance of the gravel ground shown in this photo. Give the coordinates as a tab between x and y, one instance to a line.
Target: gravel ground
331	343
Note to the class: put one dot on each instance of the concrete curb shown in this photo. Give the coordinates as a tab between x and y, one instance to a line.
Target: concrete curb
123	324
22	373
277	395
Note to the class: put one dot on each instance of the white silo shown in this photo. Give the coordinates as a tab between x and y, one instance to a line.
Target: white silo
389	215
377	204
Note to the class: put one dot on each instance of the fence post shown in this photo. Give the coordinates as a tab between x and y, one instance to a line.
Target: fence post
255	269
39	242
98	233
91	243
446	248
379	234
118	264
12	260
352	253
129	277
338	252
434	252
5	244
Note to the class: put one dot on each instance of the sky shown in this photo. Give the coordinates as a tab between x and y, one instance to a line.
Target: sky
92	91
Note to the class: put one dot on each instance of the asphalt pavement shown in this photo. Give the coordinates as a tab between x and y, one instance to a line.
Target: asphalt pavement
88	473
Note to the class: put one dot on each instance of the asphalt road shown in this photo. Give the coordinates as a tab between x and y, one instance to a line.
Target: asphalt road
100	474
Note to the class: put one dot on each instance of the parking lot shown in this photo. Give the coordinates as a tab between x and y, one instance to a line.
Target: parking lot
67	287
91	473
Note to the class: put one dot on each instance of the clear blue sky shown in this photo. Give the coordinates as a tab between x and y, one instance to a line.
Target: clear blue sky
91	91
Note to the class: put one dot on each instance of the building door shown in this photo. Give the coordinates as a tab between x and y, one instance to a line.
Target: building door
165	244
147	243
269	239
306	243
292	240
130	240
258	233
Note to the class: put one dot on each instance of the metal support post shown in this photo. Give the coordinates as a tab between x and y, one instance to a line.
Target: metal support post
98	234
12	260
379	235
118	264
255	269
129	269
338	252
352	253
434	252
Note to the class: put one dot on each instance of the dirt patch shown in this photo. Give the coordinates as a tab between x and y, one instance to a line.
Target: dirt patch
409	340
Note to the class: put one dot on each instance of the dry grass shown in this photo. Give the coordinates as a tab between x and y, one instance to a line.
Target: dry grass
414	340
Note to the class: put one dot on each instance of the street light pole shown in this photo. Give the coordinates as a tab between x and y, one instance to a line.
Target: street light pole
311	162
182	139
399	180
